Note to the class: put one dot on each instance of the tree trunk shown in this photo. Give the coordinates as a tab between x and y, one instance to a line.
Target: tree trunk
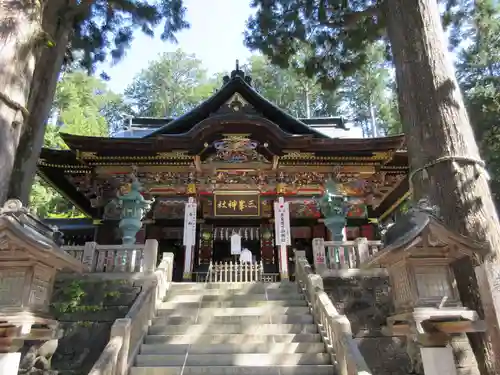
40	102
436	124
20	41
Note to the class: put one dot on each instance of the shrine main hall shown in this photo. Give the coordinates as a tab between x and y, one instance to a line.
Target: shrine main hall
234	155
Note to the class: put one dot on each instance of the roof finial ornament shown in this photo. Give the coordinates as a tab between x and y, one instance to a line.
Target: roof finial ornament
237	73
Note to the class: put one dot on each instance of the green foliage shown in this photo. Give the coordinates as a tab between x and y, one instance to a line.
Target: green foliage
296	94
104	29
72	298
170	86
370	96
478	70
72	295
337	35
78	102
48	203
80	107
112	295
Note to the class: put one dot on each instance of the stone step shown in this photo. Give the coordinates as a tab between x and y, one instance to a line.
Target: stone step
256	329
234	311
266	347
235	370
231	303
192	298
234	292
210	339
250	287
243	359
242	319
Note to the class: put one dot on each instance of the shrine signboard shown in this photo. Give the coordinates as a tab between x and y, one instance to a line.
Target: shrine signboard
236	204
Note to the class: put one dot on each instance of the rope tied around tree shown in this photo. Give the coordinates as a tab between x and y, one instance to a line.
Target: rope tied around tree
478	164
14	105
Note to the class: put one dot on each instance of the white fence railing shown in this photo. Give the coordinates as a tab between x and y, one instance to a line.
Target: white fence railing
116	258
334	327
344	254
231	272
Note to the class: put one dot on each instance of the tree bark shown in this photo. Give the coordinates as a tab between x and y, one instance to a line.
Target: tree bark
42	93
436	124
21	39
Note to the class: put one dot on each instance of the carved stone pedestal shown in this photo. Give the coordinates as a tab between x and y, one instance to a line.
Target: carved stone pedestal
438	361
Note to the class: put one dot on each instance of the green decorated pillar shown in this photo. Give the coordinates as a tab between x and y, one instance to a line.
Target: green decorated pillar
334	208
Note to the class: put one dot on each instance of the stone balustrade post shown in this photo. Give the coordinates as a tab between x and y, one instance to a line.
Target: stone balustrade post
362	250
319	255
89	255
121	327
9	363
169	258
150	254
315	283
438	361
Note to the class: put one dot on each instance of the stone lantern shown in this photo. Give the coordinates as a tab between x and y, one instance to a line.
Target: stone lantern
29	260
133	208
418	252
334	208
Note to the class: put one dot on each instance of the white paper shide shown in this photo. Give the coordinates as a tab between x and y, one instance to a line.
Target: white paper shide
235	244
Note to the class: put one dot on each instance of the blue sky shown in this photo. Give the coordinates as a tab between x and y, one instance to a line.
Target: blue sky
215	36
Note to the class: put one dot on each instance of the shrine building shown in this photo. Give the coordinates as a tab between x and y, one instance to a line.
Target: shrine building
235	154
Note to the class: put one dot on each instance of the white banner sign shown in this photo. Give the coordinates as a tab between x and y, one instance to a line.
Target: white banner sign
235	244
190	223
282	222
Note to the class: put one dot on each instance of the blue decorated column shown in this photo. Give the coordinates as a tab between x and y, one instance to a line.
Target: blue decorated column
334	208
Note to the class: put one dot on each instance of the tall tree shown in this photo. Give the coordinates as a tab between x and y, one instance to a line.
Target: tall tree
299	95
170	86
90	31
439	135
478	70
370	95
79	102
21	43
77	109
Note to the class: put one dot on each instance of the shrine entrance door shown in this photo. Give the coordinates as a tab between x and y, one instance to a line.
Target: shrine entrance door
250	239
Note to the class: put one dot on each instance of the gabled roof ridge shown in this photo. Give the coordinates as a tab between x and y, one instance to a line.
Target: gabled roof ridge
236	84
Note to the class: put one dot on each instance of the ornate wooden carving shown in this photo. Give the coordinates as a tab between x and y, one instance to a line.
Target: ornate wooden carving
266	207
169	208
267	243
304	208
206	244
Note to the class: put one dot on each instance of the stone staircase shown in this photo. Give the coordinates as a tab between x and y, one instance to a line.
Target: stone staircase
233	329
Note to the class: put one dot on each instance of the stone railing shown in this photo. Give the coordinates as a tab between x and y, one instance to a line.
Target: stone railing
127	334
114	258
334	327
344	254
231	272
